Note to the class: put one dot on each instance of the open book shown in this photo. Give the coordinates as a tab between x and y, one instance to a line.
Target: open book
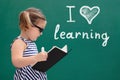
54	55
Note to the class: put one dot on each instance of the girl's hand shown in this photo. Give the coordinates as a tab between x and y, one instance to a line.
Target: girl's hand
42	56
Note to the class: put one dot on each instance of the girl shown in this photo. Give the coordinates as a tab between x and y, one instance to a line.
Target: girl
24	50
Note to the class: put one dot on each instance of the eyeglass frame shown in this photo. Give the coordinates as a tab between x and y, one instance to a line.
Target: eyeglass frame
40	29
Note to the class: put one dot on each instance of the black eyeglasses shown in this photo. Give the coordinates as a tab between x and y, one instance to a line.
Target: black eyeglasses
40	29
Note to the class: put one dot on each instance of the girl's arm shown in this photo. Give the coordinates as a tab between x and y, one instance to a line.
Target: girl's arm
17	55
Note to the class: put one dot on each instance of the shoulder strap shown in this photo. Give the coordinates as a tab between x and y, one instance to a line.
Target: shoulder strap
19	37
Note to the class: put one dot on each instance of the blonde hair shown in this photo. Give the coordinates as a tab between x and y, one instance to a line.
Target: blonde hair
29	17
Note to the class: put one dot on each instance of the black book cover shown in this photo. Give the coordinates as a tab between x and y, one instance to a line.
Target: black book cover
54	55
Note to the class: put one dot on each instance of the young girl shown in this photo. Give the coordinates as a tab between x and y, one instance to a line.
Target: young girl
24	50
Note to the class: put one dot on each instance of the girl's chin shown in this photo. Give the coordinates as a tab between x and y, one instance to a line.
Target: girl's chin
35	39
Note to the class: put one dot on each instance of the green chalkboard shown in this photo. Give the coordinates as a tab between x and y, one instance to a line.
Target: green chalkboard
91	28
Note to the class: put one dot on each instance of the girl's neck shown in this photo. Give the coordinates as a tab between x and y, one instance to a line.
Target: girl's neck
24	35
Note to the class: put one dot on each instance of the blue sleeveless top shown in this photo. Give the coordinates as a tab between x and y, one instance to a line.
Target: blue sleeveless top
27	73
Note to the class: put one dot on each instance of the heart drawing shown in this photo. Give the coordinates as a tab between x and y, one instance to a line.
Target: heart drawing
89	13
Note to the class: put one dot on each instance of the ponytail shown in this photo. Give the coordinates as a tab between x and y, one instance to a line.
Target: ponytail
25	21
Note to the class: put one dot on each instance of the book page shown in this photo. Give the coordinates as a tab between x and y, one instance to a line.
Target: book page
63	49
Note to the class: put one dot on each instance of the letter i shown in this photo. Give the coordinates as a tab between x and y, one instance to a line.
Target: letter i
70	14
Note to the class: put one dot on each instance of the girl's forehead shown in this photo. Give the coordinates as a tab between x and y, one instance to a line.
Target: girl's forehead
41	23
